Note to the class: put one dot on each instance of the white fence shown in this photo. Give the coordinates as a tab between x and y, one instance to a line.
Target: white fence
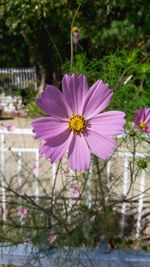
18	78
18	151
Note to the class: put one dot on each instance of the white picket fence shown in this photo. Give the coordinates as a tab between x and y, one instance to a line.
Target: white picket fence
18	78
124	155
18	151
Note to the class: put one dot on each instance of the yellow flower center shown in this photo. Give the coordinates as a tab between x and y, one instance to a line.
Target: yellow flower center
77	123
75	29
143	125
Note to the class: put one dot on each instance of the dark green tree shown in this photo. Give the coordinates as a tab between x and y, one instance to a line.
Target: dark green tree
38	31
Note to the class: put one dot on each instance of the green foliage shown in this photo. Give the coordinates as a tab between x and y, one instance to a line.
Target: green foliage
33	110
41	29
109	49
81	2
142	163
115	69
29	94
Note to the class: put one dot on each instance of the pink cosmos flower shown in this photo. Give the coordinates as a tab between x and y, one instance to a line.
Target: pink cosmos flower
19	112
76	35
22	213
75	124
142	119
15	112
51	239
11	128
75	192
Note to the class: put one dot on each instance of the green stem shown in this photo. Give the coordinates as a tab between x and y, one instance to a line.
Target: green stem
101	183
71	38
53	42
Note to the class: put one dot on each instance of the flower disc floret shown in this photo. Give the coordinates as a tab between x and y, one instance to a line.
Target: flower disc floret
75	29
77	123
142	119
143	125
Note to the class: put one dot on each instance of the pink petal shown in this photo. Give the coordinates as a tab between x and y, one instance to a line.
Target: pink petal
147	114
78	155
22	213
20	112
57	147
101	146
76	40
75	192
48	127
74	89
11	128
97	99
142	115
51	239
52	102
139	116
108	123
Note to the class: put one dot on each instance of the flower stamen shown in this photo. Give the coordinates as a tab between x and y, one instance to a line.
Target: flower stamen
77	123
74	29
143	125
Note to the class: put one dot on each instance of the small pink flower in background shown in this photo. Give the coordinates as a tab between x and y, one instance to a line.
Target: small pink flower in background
75	192
35	171
22	213
15	112
76	35
51	239
142	119
19	112
76	38
22	113
11	128
75	123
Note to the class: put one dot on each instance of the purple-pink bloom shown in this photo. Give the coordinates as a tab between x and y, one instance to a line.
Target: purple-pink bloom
74	123
11	128
76	38
19	112
142	119
76	35
22	213
75	192
51	239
